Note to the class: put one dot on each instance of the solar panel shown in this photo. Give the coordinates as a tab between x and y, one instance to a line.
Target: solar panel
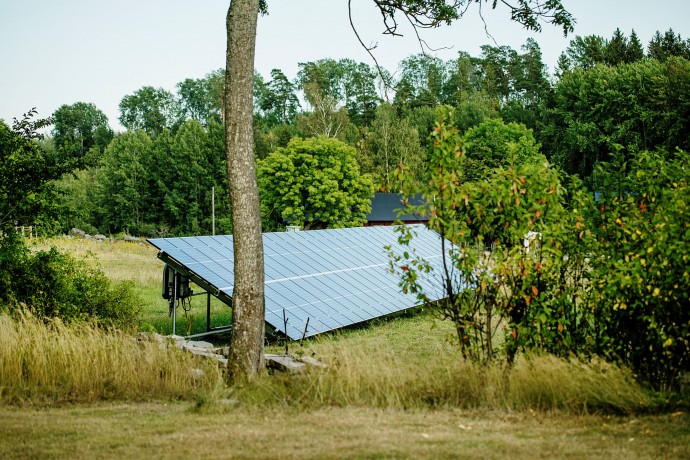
329	278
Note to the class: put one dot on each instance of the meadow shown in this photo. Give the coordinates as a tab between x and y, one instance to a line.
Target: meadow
393	388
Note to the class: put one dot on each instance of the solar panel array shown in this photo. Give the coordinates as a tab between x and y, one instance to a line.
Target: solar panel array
330	278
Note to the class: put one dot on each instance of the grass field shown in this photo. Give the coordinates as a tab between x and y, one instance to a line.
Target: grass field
394	388
177	430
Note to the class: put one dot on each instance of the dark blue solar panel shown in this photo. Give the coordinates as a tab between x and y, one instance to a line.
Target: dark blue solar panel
332	278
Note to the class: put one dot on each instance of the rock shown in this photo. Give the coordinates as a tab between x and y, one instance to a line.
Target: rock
77	232
199	344
100	237
289	363
131	239
311	361
225	351
284	363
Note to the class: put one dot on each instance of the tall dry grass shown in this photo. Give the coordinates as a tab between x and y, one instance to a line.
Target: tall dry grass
544	383
420	370
55	362
52	363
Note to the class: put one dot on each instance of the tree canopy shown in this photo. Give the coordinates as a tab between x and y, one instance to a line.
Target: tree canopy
314	183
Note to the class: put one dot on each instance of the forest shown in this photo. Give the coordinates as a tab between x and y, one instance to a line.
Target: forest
156	178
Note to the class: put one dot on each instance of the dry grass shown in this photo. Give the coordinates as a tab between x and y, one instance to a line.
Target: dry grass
48	363
405	363
176	430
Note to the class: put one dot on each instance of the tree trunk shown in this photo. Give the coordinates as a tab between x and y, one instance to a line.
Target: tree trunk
246	346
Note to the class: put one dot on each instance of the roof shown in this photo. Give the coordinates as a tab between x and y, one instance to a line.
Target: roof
385	208
319	279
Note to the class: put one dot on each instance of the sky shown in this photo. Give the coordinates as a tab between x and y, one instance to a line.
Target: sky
67	51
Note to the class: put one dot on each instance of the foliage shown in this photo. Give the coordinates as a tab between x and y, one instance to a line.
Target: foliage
389	142
122	182
493	144
51	284
433	13
327	117
149	109
74	203
641	106
187	172
312	183
276	100
662	47
600	274
527	293
202	99
641	263
80	127
422	81
25	169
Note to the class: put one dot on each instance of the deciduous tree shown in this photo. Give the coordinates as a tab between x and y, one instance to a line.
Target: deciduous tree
79	127
149	109
314	183
25	168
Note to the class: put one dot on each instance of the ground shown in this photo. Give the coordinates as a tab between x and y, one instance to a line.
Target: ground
180	430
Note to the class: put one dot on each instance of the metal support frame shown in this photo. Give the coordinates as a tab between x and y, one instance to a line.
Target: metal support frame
209	290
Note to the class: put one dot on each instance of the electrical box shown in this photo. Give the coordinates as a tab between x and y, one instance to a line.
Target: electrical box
173	280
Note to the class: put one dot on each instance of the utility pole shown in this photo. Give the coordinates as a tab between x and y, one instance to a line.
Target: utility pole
213	210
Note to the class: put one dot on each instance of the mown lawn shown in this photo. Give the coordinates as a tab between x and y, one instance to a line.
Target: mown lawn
178	430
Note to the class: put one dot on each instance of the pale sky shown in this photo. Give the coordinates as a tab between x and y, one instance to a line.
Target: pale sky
55	52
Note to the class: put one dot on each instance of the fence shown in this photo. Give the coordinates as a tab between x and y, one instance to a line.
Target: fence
30	231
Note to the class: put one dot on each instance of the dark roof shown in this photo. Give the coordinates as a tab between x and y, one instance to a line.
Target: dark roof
385	207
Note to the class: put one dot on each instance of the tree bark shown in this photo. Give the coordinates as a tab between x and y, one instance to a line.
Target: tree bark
246	346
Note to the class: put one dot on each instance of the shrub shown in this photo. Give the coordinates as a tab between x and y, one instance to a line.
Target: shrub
609	278
51	284
508	299
641	264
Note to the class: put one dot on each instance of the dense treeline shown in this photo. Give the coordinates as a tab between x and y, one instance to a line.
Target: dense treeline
157	177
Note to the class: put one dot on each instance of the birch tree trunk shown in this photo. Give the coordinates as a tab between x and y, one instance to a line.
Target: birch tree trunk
246	346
